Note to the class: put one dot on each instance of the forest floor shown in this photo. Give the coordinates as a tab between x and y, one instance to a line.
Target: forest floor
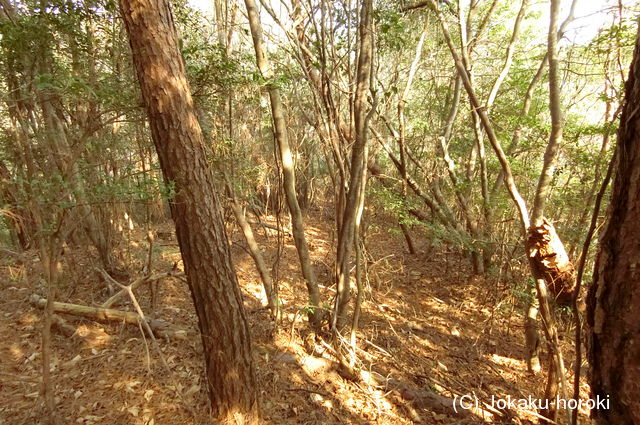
426	323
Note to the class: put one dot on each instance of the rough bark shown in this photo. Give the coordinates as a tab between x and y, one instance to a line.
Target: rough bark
613	304
195	208
577	317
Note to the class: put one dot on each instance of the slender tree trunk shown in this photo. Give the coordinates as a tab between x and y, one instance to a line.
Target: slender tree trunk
65	159
543	245
577	316
555	137
358	246
195	209
613	303
528	97
288	172
486	124
255	252
402	144
407	237
600	161
49	248
358	165
508	60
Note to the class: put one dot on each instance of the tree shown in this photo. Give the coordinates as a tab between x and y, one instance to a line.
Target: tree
358	167
548	260
286	158
613	303
195	208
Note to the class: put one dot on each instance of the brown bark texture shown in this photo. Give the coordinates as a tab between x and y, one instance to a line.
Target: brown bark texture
613	303
195	208
551	262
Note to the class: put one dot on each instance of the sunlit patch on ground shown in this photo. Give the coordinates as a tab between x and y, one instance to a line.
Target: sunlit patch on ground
425	323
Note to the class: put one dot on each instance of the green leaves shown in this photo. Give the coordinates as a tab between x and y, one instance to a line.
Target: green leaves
391	27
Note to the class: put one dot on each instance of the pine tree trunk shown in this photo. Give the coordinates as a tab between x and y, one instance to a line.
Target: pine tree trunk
195	208
613	305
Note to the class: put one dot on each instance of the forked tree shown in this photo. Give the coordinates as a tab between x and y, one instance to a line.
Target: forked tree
195	208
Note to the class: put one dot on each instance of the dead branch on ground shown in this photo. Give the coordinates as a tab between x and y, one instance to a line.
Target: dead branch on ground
159	327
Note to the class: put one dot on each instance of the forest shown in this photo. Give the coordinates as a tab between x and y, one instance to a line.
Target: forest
319	212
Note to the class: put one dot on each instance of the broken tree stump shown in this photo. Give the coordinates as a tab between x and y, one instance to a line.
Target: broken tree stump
551	262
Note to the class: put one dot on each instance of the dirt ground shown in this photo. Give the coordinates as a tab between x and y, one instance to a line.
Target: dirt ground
427	325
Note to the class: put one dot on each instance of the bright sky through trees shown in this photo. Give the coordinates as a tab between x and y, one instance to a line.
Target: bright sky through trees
591	15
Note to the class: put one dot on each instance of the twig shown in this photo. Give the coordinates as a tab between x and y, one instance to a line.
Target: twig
133	285
146	347
146	326
382	350
539	416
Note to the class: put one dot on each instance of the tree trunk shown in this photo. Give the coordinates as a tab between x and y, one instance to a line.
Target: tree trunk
358	166
254	251
613	304
541	192
286	157
551	261
195	209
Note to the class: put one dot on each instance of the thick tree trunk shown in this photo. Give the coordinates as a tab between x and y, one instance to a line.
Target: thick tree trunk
195	208
613	305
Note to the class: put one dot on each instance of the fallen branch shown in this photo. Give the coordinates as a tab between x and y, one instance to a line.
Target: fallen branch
159	327
426	399
269	226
